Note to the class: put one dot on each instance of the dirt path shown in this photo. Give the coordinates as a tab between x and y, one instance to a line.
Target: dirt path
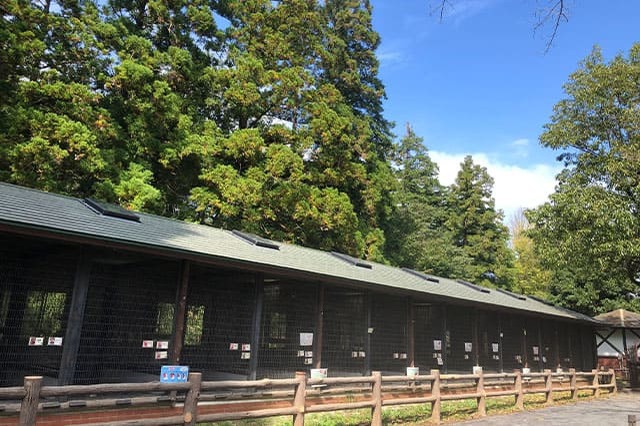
602	412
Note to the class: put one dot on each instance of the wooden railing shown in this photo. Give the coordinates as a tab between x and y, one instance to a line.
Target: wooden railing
197	401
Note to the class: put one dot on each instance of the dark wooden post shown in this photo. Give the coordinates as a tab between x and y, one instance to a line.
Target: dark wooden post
444	339
569	334
632	419
368	336
519	390
75	321
256	327
548	386
500	342
436	404
376	396
482	398
190	409
525	353
29	405
317	340
299	398
411	324
556	347
573	384
541	350
180	313
624	341
474	338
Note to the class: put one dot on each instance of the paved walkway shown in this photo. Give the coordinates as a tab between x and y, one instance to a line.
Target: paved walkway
601	412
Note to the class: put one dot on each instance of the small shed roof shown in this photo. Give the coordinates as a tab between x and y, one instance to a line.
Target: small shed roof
620	318
31	211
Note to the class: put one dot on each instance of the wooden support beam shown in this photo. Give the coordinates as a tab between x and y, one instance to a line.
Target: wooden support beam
519	390
500	342
474	338
368	336
540	348
444	339
75	321
319	330
190	408
411	323
180	316
256	327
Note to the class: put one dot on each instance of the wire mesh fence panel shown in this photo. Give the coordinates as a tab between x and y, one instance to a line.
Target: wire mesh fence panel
588	351
428	336
548	346
128	321
345	331
534	344
220	315
388	333
513	338
459	339
489	341
564	345
288	325
35	292
576	346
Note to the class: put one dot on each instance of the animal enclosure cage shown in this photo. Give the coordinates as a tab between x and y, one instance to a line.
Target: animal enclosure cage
141	311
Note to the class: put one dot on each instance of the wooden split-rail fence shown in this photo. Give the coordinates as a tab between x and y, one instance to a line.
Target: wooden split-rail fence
200	401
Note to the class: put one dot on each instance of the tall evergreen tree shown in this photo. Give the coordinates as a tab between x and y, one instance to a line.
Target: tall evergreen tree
477	227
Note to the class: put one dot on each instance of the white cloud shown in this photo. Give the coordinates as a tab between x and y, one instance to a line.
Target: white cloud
515	186
520	147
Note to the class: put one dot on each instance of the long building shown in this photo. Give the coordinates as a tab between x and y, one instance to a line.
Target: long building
93	293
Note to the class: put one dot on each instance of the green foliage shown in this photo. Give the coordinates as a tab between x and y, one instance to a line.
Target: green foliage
588	233
477	228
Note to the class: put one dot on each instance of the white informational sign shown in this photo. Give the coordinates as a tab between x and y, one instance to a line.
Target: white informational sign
396	355
36	341
440	361
308	354
234	346
535	350
308	361
306	339
354	354
495	347
301	354
245	355
147	344
55	341
162	354
403	356
246	347
437	345
467	346
162	344
466	356
361	354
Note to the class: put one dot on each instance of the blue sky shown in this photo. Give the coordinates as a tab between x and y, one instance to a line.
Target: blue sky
480	83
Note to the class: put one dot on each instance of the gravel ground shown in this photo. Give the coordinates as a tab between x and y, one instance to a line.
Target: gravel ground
608	411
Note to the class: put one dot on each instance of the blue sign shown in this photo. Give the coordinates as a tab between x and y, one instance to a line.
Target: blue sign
174	374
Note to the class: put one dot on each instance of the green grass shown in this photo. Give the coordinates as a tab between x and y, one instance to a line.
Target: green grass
416	415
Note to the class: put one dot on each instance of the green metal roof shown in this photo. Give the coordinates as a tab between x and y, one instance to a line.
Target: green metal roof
27	208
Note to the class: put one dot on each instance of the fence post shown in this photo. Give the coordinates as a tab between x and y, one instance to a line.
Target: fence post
435	393
29	406
482	398
299	398
614	389
573	384
376	395
548	387
520	393
632	419
596	383
190	409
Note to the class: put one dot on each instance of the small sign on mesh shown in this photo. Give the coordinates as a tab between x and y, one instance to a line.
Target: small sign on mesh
174	374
